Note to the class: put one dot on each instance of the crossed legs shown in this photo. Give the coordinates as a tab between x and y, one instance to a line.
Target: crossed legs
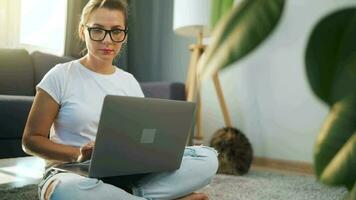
198	166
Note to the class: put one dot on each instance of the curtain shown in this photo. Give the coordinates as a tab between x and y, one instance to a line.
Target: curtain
155	52
9	23
73	46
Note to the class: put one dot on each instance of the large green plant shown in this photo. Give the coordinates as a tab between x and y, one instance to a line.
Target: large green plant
331	70
219	8
238	32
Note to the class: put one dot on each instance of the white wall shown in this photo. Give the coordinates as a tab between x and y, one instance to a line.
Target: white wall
267	92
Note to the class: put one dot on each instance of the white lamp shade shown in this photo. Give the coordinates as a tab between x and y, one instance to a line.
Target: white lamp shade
192	17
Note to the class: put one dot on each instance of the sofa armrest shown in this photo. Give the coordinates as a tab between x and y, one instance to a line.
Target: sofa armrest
164	90
13	115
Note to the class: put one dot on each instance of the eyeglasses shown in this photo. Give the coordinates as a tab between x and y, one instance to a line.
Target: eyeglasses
98	34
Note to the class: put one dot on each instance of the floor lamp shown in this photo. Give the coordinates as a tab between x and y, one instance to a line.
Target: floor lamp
192	19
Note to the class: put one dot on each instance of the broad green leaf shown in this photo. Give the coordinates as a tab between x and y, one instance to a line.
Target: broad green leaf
335	148
345	81
331	56
219	8
331	71
341	169
239	32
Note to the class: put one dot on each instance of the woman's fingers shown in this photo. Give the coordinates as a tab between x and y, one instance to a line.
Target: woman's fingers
91	144
86	151
88	146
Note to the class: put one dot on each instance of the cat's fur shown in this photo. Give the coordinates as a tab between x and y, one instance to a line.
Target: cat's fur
235	151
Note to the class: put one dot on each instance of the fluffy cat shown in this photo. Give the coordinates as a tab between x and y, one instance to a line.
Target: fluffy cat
235	151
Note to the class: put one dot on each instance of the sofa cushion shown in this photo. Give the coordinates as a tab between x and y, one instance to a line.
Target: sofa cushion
43	62
16	72
164	90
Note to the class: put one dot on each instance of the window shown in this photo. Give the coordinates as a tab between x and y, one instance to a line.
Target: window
43	25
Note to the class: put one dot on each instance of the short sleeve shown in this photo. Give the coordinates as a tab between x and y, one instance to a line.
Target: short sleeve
52	83
135	87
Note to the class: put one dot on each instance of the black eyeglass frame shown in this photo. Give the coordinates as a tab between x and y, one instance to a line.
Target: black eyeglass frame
107	32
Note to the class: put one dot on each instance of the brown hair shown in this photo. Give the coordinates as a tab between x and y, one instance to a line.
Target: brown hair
92	5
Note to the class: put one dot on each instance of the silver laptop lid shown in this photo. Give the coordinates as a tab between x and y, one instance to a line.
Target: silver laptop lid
140	135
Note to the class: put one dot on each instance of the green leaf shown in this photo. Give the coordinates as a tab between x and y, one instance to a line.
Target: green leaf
345	81
335	149
352	194
341	170
331	71
331	56
239	32
219	8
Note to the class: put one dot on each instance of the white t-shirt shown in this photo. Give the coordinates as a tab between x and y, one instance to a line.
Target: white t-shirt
80	93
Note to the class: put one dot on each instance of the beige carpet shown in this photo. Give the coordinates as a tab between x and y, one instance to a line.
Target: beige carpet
260	185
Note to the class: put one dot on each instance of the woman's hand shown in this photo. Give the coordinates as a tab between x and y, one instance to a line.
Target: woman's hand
85	152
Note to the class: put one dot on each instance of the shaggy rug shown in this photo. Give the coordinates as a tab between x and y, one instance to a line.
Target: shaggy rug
259	185
256	185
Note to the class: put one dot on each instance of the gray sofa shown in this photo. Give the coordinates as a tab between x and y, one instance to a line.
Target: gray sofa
20	72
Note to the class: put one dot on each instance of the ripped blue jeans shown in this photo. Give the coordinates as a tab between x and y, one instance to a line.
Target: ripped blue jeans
199	165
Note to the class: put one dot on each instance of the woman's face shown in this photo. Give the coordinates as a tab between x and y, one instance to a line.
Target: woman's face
109	20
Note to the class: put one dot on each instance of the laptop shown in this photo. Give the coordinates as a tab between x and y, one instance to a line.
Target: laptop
138	136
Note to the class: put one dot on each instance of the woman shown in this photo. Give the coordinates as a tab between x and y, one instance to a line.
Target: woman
70	97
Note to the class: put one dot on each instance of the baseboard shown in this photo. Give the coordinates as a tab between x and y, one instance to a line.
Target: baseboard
286	165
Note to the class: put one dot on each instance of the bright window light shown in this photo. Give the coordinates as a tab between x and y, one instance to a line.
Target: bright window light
43	25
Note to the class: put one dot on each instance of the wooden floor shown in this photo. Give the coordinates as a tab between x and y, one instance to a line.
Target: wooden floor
285	166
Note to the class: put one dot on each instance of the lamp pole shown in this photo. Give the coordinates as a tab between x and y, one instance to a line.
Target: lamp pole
192	19
191	84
